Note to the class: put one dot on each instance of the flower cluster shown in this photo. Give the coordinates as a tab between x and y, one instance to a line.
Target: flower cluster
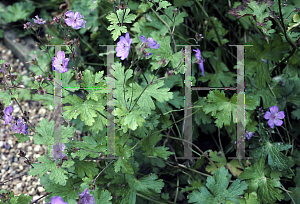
19	126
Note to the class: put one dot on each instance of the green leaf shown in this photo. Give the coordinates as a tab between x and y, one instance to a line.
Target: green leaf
267	189
83	168
7	97
126	167
46	129
154	90
145	184
21	199
163	4
87	110
56	190
17	11
22	137
249	199
117	30
216	189
276	159
56	174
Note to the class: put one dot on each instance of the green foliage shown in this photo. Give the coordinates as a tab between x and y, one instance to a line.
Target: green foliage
276	159
216	189
121	17
17	11
225	109
266	188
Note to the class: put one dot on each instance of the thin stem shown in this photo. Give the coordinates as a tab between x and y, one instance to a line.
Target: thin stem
94	181
219	40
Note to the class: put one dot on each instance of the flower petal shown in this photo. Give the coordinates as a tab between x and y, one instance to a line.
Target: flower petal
274	109
278	122
271	123
143	39
70	14
280	115
267	115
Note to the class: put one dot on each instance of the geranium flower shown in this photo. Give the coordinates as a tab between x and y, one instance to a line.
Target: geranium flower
27	25
151	42
274	116
86	197
123	46
200	60
57	200
60	63
74	20
39	20
7	117
57	151
20	127
248	135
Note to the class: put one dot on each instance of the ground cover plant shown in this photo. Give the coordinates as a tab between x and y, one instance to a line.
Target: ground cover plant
150	102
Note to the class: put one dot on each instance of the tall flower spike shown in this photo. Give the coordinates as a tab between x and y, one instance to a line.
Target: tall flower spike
123	46
86	197
200	60
57	151
60	63
274	116
74	20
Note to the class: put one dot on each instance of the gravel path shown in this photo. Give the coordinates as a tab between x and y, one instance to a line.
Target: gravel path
11	164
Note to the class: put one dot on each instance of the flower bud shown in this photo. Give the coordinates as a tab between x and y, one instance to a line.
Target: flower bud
35	62
22	154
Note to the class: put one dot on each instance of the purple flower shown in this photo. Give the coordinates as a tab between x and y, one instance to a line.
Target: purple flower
7	117
20	127
60	63
57	200
39	20
27	25
123	46
74	20
200	60
248	135
57	151
86	197
274	116
151	42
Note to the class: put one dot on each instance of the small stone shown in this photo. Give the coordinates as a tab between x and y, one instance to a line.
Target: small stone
16	108
19	185
41	189
19	146
11	159
42	111
37	148
16	159
3	157
1	144
29	148
6	168
9	142
13	173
